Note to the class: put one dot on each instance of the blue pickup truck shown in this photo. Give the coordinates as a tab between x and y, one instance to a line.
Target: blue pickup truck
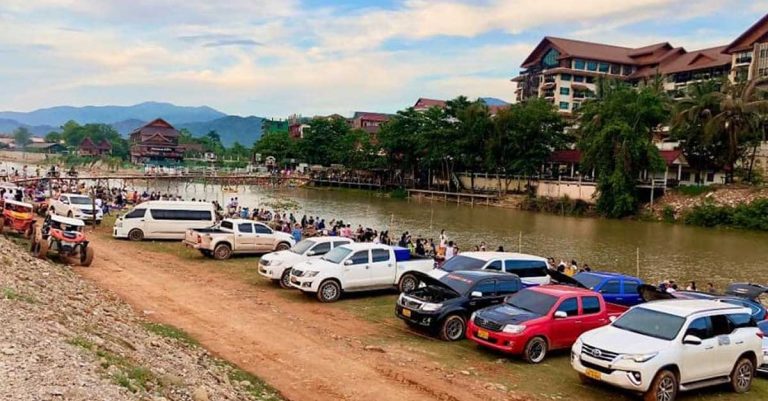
616	288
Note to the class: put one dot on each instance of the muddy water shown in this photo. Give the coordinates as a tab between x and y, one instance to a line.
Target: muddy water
667	251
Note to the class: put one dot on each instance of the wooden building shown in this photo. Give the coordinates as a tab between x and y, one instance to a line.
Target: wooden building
156	143
90	148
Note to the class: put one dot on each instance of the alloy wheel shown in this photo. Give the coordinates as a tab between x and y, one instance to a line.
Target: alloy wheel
666	389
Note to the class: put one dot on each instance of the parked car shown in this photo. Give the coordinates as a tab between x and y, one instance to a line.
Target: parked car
277	265
76	206
163	220
537	320
740	294
443	306
237	236
532	270
616	288
763	326
662	348
359	267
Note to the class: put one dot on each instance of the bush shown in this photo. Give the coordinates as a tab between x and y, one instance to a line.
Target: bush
753	216
709	215
668	214
399	193
693	190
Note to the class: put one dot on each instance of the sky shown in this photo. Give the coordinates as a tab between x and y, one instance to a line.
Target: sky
274	58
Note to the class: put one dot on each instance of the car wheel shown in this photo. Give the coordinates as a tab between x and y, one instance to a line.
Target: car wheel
285	279
222	251
742	374
408	283
663	387
453	328
283	246
329	291
42	249
136	235
86	256
535	350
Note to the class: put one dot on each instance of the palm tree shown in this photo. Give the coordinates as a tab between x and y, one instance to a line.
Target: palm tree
689	117
741	107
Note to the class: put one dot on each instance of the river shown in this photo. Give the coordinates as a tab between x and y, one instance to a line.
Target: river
667	251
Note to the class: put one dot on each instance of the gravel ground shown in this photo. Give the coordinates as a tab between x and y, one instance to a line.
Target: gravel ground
61	338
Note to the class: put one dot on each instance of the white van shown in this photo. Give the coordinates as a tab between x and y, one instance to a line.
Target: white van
531	269
163	220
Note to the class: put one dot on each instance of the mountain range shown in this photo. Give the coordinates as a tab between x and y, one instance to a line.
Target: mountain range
124	119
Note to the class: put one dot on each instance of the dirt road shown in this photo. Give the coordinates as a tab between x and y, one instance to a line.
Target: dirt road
306	350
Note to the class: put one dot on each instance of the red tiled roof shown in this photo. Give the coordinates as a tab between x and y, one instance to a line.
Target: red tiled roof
671	156
649	49
428	103
582	49
87	143
371	116
565	156
749	37
157	126
104	145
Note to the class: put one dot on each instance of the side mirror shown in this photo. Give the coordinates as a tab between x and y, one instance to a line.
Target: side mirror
348	262
691	340
476	294
560	315
612	318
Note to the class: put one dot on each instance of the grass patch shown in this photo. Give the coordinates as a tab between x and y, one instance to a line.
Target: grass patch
168	331
128	373
693	190
256	388
82	342
12	295
134	378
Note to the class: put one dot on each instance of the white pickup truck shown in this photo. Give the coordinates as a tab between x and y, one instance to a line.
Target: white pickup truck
276	266
359	267
237	236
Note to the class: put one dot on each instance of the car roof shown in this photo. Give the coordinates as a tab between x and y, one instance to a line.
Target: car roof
558	290
74	194
359	246
687	307
608	274
477	275
176	204
328	238
487	256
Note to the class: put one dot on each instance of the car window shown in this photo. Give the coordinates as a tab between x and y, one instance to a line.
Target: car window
262	229
379	255
590	305
487	287
570	306
136	214
64	199
340	243
526	268
739	320
700	327
630	287
182	215
359	258
245	227
507	286
721	325
495	265
611	287
755	309
321	249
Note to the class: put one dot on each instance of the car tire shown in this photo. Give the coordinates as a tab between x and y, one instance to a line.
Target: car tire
136	235
86	258
453	328
408	283
222	252
328	291
41	251
535	350
285	279
283	246
664	387
742	375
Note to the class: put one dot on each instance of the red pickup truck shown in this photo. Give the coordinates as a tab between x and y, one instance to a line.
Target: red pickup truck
539	319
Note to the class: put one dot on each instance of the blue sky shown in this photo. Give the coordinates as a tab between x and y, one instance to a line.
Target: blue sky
279	57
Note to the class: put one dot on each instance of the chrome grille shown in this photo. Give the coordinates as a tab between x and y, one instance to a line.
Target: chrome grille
488	324
598	353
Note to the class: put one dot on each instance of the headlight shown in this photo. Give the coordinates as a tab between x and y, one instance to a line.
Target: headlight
577	344
265	262
513	328
311	273
639	358
428	307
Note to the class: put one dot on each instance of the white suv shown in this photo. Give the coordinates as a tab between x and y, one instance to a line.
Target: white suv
76	206
662	347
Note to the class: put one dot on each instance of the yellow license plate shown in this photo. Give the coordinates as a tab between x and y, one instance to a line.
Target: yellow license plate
482	334
406	312
593	374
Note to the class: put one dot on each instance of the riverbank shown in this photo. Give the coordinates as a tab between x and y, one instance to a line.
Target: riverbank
63	338
735	206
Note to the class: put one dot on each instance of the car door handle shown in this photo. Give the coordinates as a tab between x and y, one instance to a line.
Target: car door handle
710	347
740	342
578	322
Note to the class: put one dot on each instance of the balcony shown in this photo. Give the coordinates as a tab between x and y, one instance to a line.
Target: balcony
549	79
549	94
743	60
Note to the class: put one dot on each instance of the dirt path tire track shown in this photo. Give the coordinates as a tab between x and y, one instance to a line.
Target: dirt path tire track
306	351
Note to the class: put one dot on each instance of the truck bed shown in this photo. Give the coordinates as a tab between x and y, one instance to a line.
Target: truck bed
615	309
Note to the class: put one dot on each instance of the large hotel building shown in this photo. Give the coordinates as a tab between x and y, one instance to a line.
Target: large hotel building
565	71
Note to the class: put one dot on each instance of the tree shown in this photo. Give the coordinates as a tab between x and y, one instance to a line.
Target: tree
73	135
276	144
323	142
52	137
739	120
616	138
22	137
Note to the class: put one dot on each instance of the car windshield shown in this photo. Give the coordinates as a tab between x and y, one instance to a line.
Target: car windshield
457	283
650	323
80	200
337	255
588	280
302	246
532	301
460	263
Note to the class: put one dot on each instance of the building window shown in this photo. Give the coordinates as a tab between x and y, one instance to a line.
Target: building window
615	69
563	105
565	77
592	66
710	177
604	67
590	80
685	176
578	78
578	64
550	59
565	91
576	106
626	70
